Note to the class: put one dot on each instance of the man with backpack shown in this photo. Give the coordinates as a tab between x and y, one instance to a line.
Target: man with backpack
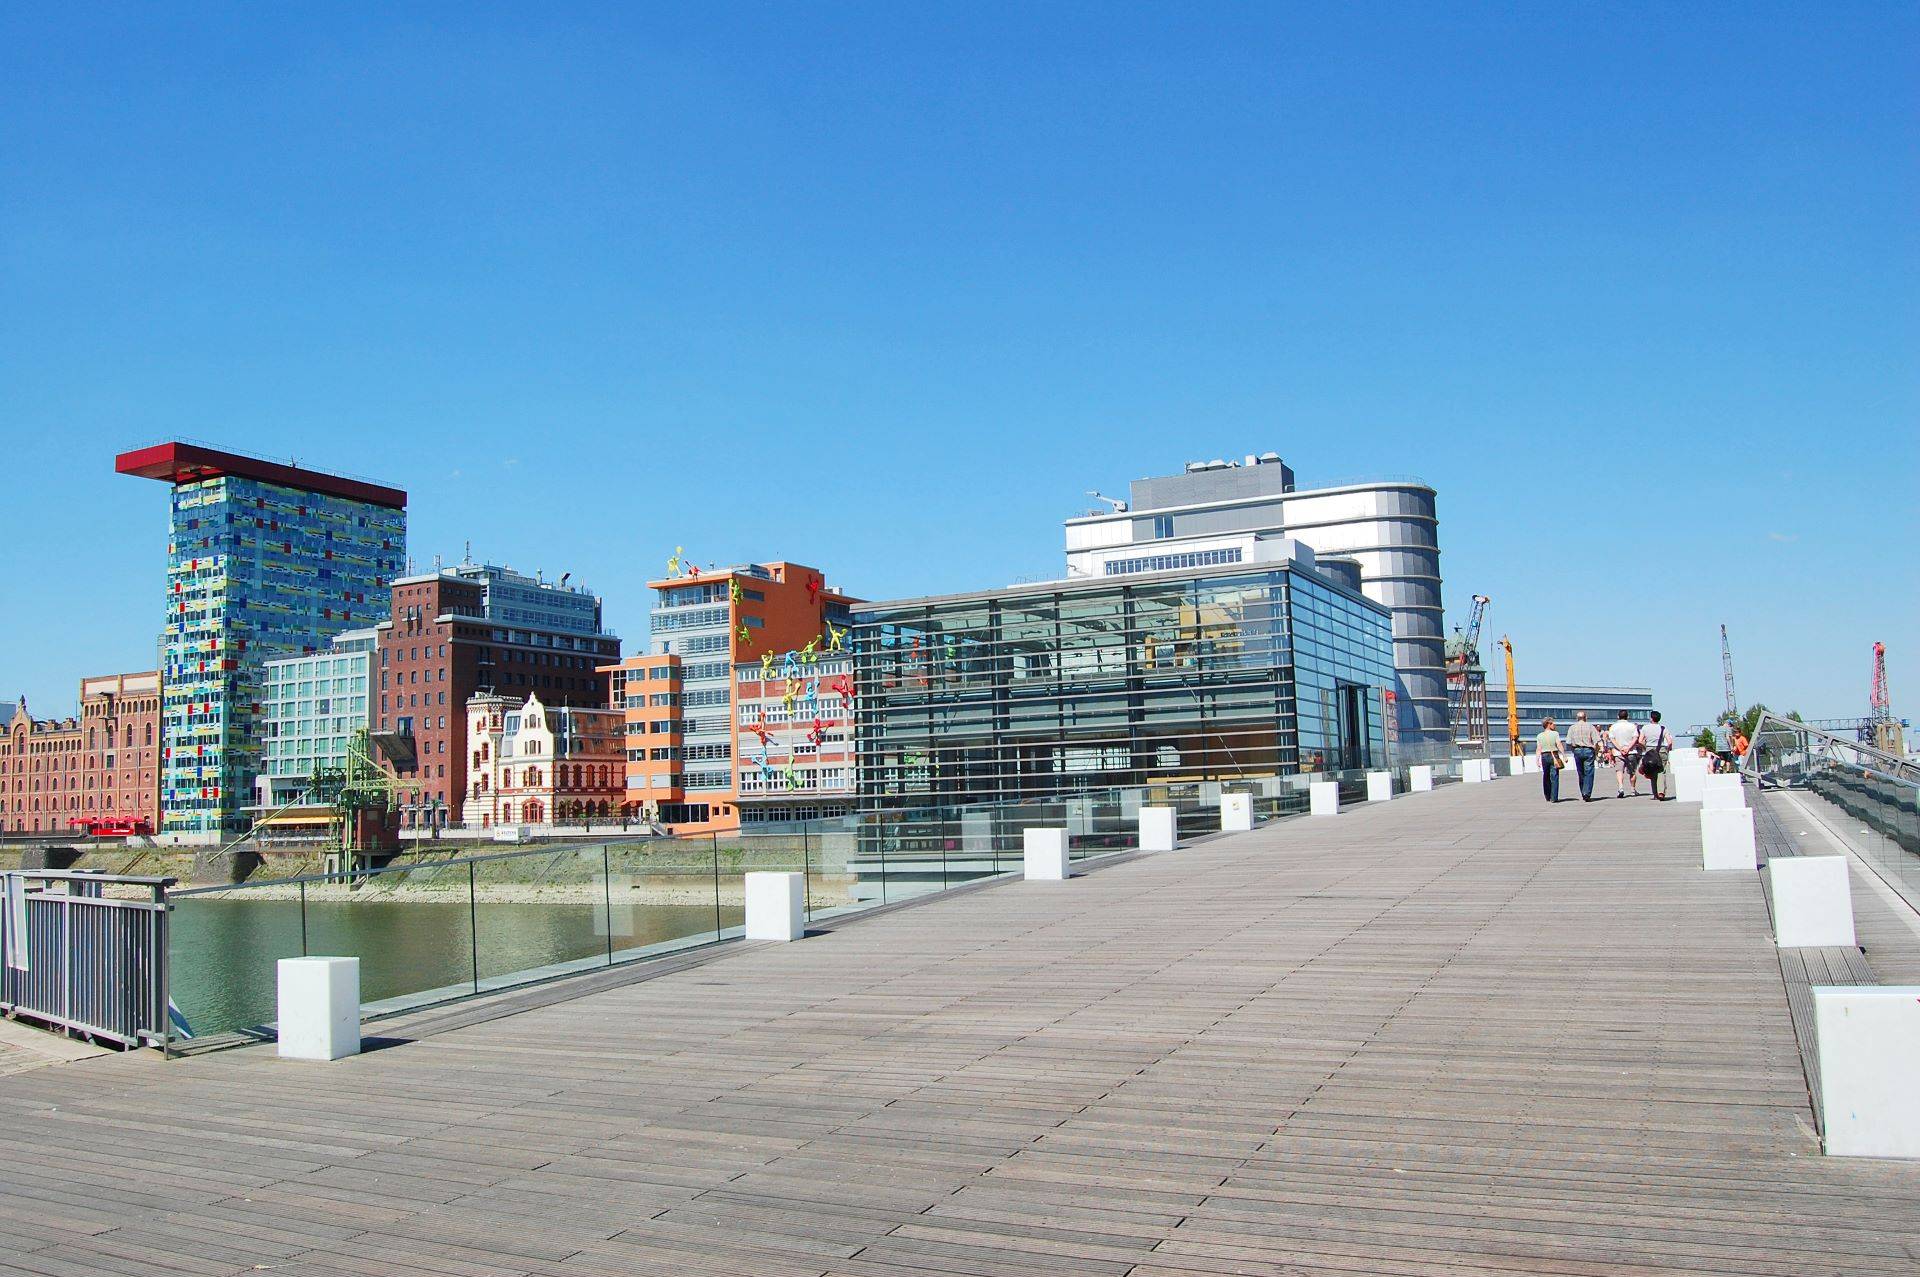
1655	742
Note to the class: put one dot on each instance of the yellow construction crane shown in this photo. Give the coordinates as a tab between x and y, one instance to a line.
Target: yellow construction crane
1513	701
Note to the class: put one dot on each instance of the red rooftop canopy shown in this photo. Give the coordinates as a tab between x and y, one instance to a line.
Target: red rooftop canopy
186	462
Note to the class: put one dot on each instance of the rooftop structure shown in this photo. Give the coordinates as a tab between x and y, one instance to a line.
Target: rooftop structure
1218	513
263	560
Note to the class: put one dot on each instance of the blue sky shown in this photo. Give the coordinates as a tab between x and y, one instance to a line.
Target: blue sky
886	288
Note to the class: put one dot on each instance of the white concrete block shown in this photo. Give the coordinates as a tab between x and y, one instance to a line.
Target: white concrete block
1379	786
1236	812
1323	799
1158	829
1046	854
1520	764
319	1008
1868	1037
1812	901
1719	793
1419	780
1473	771
1688	784
1726	840
776	906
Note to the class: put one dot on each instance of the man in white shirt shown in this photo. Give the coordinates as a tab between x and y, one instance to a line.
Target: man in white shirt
1655	741
1625	738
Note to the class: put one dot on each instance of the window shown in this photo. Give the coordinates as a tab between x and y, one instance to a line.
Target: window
1162	526
1168	562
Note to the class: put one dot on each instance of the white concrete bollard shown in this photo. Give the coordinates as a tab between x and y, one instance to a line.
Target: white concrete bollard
1812	901
776	906
1688	783
1236	813
1722	793
1473	771
1419	780
1046	854
1159	830
1517	764
1323	798
319	1008
1379	786
1726	840
1868	1037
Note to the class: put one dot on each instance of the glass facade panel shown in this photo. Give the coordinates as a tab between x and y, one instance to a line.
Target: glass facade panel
1237	675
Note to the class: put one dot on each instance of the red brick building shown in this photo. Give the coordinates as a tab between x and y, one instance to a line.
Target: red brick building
469	629
59	774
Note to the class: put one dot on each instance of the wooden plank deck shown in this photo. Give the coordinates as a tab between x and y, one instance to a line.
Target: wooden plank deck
1460	1033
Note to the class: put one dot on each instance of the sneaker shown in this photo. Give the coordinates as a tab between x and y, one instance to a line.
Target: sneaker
1619	793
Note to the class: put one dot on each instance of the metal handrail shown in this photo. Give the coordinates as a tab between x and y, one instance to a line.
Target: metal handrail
1901	768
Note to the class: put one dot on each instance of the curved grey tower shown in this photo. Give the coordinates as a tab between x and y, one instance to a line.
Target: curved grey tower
1217	512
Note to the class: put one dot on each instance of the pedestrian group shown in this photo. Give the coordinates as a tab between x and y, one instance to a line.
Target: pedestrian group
1632	750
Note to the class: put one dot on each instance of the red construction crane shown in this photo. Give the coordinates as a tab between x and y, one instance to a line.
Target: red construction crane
1885	729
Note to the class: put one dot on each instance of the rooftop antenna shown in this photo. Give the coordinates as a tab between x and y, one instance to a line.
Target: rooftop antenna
1119	506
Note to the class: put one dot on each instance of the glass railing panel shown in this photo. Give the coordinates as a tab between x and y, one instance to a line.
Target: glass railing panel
222	948
665	894
411	927
538	915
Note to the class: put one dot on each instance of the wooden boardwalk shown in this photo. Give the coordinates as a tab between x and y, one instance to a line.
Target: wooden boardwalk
1460	1033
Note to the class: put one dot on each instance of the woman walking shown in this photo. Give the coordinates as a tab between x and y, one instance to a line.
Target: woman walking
1546	748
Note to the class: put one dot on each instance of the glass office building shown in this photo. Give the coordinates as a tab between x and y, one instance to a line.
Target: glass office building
1538	701
1225	673
314	705
263	560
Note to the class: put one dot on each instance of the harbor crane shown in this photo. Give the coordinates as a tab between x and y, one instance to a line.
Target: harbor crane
1887	736
1726	676
1513	701
1466	678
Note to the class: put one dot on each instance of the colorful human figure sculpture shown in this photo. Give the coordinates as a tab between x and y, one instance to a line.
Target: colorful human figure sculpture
673	561
811	652
745	634
733	589
844	687
813	691
813	589
793	690
819	732
790	665
793	777
760	729
766	667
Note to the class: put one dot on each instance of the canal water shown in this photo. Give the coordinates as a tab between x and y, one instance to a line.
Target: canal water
224	949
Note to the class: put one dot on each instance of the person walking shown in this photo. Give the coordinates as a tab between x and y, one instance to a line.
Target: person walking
1655	741
1625	739
1583	738
1546	748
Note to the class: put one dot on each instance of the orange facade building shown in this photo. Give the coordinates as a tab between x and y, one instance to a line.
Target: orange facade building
682	699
